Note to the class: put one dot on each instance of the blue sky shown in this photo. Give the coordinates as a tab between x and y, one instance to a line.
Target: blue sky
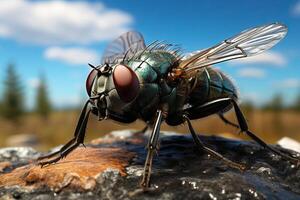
58	38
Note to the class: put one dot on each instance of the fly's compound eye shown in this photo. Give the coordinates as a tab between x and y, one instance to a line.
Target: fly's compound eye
126	83
90	80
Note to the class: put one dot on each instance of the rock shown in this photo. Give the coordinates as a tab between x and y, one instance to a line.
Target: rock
111	168
18	154
5	165
289	143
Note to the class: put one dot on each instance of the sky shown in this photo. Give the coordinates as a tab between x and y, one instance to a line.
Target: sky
58	39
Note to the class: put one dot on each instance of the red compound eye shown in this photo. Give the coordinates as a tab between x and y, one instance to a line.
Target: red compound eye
126	83
89	81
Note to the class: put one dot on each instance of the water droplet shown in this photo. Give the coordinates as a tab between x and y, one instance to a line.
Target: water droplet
194	185
293	166
238	196
264	170
212	196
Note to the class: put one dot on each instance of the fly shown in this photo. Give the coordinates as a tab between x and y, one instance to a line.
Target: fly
155	83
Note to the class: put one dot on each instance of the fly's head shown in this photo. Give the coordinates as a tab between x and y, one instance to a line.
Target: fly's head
111	88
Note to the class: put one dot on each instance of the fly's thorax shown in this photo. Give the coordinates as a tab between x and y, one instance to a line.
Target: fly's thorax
155	92
156	62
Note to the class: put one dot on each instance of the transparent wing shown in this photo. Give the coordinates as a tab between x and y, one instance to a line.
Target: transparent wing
248	43
125	46
190	54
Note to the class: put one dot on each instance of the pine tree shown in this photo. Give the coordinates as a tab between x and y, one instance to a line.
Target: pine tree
43	106
276	106
276	103
13	98
296	105
1	107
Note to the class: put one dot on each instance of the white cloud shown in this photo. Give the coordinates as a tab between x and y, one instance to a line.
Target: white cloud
34	82
288	83
4	31
270	57
60	22
75	56
251	73
296	9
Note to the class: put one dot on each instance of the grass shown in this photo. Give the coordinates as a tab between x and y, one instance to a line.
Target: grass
58	129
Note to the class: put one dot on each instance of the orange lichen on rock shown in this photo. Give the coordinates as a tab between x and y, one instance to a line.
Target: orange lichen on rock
98	141
78	170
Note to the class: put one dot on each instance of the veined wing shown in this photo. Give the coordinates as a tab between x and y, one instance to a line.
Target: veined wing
125	46
248	43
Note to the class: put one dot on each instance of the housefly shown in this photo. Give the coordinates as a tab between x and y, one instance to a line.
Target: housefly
155	83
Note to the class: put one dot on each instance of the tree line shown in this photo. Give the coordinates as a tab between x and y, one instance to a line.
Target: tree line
12	103
275	104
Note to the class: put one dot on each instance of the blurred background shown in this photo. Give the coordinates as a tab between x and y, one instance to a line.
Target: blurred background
45	47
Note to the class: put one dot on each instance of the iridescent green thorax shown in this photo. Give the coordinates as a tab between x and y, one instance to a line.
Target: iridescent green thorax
157	62
152	69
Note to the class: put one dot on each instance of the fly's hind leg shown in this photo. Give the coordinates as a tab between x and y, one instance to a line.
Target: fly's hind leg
219	104
72	144
226	121
244	128
142	131
215	154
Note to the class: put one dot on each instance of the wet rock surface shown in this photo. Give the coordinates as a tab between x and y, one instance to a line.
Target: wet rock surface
111	168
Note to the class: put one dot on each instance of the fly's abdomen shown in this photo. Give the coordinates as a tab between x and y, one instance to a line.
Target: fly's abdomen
211	85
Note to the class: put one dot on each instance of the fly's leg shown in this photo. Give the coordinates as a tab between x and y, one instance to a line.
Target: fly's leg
244	128
219	104
152	148
142	131
215	154
69	147
226	121
73	143
57	152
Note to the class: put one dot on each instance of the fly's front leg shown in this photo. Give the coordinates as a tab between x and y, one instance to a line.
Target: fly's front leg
73	143
152	147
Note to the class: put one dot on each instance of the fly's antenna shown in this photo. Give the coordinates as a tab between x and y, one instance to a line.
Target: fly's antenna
95	68
92	66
